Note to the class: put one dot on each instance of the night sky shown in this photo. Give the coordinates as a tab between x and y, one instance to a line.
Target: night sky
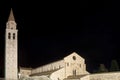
51	30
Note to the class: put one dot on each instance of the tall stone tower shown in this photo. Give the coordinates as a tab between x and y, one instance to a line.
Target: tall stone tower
11	59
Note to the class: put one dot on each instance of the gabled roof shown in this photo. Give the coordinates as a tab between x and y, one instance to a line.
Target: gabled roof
74	53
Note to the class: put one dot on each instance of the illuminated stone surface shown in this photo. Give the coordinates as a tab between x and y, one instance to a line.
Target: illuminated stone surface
71	65
11	63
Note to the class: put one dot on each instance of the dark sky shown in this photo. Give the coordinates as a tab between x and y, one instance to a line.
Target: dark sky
50	30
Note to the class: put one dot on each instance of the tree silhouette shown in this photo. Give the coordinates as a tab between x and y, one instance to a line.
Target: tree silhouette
114	66
102	68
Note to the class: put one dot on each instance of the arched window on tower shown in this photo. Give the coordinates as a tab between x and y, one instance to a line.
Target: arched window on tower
9	35
13	35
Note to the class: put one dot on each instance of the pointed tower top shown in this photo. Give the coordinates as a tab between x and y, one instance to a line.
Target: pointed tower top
11	17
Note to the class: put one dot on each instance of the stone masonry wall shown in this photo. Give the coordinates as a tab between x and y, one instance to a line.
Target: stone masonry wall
106	76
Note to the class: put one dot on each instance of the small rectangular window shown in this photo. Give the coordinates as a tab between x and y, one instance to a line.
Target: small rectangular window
67	64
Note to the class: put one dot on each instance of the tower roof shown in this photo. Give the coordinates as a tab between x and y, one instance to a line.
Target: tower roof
11	17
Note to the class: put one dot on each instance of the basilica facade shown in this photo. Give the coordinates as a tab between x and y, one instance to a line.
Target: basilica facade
70	66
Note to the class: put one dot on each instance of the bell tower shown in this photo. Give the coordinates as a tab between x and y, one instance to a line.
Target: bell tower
11	59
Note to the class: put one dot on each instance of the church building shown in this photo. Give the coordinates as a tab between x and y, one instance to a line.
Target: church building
70	67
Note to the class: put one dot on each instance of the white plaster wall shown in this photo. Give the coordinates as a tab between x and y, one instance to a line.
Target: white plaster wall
106	76
58	75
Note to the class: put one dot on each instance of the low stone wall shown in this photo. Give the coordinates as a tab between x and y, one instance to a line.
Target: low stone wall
8	79
105	76
87	77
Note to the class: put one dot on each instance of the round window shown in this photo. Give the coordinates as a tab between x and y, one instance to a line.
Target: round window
74	58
